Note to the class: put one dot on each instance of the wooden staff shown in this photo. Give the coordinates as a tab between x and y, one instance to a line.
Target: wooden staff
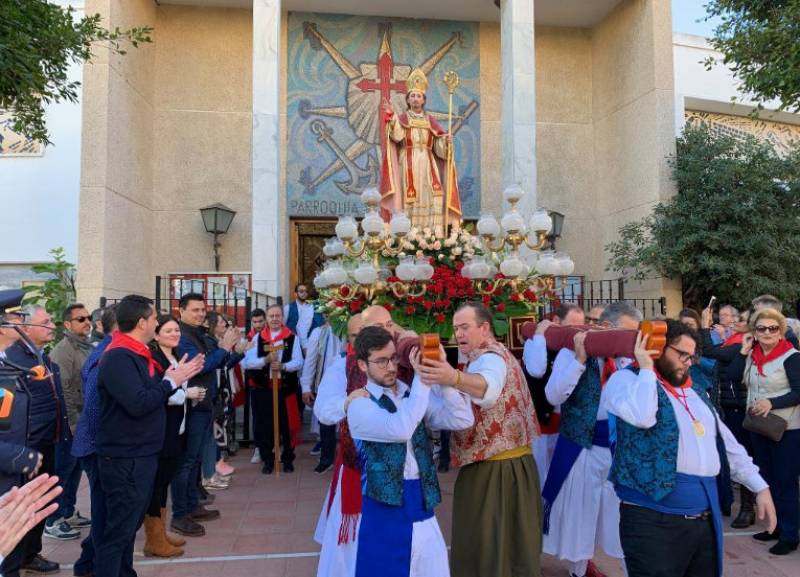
276	381
452	81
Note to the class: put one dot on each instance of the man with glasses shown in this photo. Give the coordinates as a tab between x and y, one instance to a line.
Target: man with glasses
671	448
300	316
47	426
400	487
70	354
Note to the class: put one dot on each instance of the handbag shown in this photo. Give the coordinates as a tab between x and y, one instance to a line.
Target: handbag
770	425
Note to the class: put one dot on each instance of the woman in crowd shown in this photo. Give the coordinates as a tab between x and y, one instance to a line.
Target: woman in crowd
702	372
216	472
158	542
732	395
770	369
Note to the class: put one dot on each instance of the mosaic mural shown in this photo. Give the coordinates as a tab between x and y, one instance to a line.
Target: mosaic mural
340	70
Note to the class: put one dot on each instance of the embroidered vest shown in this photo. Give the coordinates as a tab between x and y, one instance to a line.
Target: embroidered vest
509	424
647	459
579	411
383	465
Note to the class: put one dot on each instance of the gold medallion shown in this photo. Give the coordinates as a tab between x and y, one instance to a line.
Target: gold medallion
699	429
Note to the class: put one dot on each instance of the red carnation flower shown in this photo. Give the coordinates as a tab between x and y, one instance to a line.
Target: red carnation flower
427	305
388	306
439	317
410	310
355	306
515	297
501	307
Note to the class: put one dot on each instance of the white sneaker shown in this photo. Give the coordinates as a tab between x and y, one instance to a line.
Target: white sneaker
256	458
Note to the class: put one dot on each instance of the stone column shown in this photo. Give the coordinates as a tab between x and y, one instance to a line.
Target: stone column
268	245
518	114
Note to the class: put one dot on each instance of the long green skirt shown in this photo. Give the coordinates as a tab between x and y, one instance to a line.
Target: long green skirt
497	520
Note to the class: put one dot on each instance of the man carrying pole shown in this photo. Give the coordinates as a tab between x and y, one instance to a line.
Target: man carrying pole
275	367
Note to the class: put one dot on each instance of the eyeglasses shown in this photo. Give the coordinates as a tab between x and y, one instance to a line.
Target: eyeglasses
763	329
683	356
384	362
80	319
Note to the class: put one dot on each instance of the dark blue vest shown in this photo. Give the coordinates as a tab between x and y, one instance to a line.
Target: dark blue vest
384	463
294	315
646	459
579	411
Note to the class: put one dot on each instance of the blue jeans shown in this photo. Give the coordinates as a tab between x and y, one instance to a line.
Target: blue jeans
780	466
210	455
69	475
85	564
185	497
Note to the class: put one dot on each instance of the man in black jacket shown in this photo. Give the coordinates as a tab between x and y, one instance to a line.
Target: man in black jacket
130	435
47	426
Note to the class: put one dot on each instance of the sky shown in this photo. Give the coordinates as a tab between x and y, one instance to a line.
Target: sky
685	16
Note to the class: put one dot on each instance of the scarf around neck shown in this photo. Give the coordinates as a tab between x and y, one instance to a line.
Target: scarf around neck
760	359
123	341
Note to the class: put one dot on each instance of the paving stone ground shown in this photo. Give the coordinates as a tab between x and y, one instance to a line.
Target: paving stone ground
267	526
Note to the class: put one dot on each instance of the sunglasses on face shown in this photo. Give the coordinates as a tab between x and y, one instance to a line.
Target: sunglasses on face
762	329
79	319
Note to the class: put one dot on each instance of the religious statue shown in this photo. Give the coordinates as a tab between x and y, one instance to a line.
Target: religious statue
418	173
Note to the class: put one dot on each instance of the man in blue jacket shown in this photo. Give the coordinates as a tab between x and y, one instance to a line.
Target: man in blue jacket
130	435
186	508
47	425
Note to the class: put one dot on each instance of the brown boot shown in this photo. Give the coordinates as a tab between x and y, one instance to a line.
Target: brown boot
155	544
172	539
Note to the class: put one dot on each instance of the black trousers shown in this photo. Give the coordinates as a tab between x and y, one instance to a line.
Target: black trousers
662	545
164	474
263	432
31	544
327	441
128	486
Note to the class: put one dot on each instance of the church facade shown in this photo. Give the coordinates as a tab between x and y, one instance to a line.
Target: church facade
270	108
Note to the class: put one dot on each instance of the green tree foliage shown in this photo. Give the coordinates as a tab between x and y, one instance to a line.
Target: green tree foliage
732	229
760	43
58	291
38	42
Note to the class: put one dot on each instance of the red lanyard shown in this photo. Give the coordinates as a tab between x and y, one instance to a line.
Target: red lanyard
681	398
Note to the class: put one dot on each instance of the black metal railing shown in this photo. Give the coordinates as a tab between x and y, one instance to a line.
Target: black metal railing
589	293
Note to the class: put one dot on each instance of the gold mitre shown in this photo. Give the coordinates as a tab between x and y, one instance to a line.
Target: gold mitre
417	81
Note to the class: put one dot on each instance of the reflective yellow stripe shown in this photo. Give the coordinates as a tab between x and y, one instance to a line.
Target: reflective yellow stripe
512	454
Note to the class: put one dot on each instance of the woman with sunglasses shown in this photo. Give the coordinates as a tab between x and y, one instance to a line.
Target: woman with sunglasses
158	542
770	368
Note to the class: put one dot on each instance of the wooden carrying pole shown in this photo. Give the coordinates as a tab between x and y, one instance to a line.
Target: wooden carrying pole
276	383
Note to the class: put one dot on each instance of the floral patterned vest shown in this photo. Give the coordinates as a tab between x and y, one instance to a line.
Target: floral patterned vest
509	424
383	465
579	411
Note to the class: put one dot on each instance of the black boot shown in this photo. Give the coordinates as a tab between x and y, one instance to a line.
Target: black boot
747	514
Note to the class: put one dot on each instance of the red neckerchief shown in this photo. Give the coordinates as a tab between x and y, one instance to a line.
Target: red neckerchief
734	339
349	350
251	334
609	368
282	335
760	359
122	341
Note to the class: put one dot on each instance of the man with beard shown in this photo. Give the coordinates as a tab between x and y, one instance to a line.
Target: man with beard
671	447
400	487
496	501
300	316
581	509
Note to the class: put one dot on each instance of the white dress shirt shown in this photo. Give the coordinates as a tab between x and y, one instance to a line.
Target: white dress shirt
252	361
441	407
634	398
534	355
493	370
332	393
305	312
326	352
